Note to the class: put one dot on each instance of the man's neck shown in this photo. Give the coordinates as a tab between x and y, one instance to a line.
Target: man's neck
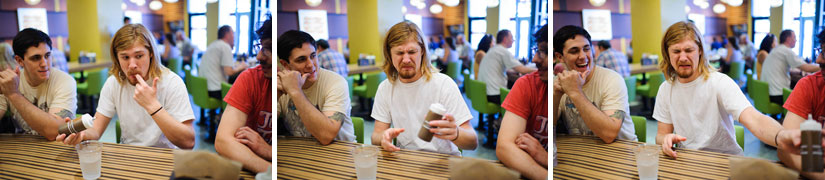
689	79
31	81
411	80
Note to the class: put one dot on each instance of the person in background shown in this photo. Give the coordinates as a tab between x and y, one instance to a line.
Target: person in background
37	96
187	49
332	60
496	62
7	57
768	43
151	102
612	59
171	51
245	131
127	20
450	55
465	52
779	63
483	46
522	140
218	62
734	55
748	51
411	87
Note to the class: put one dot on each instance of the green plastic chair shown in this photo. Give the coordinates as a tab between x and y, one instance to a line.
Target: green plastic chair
761	98
186	78
785	93
748	85
630	82
650	89
640	123
454	70
201	96
740	136
371	86
737	70
351	83
94	82
176	65
477	93
224	89
358	124
503	93
117	131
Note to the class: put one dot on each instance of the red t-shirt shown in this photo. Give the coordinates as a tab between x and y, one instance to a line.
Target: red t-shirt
808	97
252	94
528	99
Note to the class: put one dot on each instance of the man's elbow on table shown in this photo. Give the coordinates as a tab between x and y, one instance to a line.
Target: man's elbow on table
608	137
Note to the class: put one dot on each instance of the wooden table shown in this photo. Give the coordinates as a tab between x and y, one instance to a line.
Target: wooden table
356	69
305	158
28	156
587	157
77	67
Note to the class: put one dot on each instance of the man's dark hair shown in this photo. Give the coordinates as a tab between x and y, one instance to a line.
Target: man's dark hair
821	37
604	44
29	37
223	30
501	35
265	32
290	40
323	44
484	45
541	34
126	18
785	34
565	33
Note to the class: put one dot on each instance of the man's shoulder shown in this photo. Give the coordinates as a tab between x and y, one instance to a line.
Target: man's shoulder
330	78
61	76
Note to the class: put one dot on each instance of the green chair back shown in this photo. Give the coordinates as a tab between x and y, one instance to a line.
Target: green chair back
630	82
748	85
477	93
176	65
117	131
351	83
224	89
761	98
201	95
655	81
785	93
373	80
94	82
186	78
740	136
358	124
503	93
737	69
454	69
640	123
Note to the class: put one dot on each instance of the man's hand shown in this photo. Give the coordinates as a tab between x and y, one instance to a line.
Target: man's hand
532	146
71	139
444	128
146	95
9	81
254	141
557	89
291	81
668	142
571	81
386	140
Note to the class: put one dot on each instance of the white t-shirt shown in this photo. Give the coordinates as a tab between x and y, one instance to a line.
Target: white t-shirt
607	91
217	55
702	111
329	93
493	68
137	126
776	67
59	91
404	105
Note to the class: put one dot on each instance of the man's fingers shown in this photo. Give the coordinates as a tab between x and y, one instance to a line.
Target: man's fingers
155	83
140	80
60	137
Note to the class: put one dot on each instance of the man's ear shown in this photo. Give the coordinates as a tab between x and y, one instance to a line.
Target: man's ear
284	63
19	60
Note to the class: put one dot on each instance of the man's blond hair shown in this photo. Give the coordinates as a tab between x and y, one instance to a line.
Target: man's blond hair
124	39
677	33
399	34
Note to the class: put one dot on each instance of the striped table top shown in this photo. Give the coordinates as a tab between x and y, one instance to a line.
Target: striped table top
305	158
34	157
587	157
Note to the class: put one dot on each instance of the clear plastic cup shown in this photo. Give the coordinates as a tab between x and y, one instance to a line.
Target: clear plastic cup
647	161
89	153
366	161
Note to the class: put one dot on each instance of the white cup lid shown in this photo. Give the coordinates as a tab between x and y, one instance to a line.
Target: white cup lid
88	120
438	108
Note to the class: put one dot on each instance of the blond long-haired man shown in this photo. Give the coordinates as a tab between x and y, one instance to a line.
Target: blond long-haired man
403	99
696	106
150	100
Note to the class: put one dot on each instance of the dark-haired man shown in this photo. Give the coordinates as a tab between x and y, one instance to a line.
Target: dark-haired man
589	99
612	59
218	63
311	101
38	96
497	61
245	132
780	60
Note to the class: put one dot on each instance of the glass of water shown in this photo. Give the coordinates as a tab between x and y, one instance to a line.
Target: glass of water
647	161
366	161
89	152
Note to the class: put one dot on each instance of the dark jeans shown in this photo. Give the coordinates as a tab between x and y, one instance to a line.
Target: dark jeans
778	100
215	94
496	99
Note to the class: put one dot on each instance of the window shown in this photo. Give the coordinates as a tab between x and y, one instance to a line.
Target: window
761	11
478	22
244	16
515	16
197	23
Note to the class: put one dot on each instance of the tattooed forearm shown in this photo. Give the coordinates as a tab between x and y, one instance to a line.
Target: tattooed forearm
65	114
619	115
338	117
